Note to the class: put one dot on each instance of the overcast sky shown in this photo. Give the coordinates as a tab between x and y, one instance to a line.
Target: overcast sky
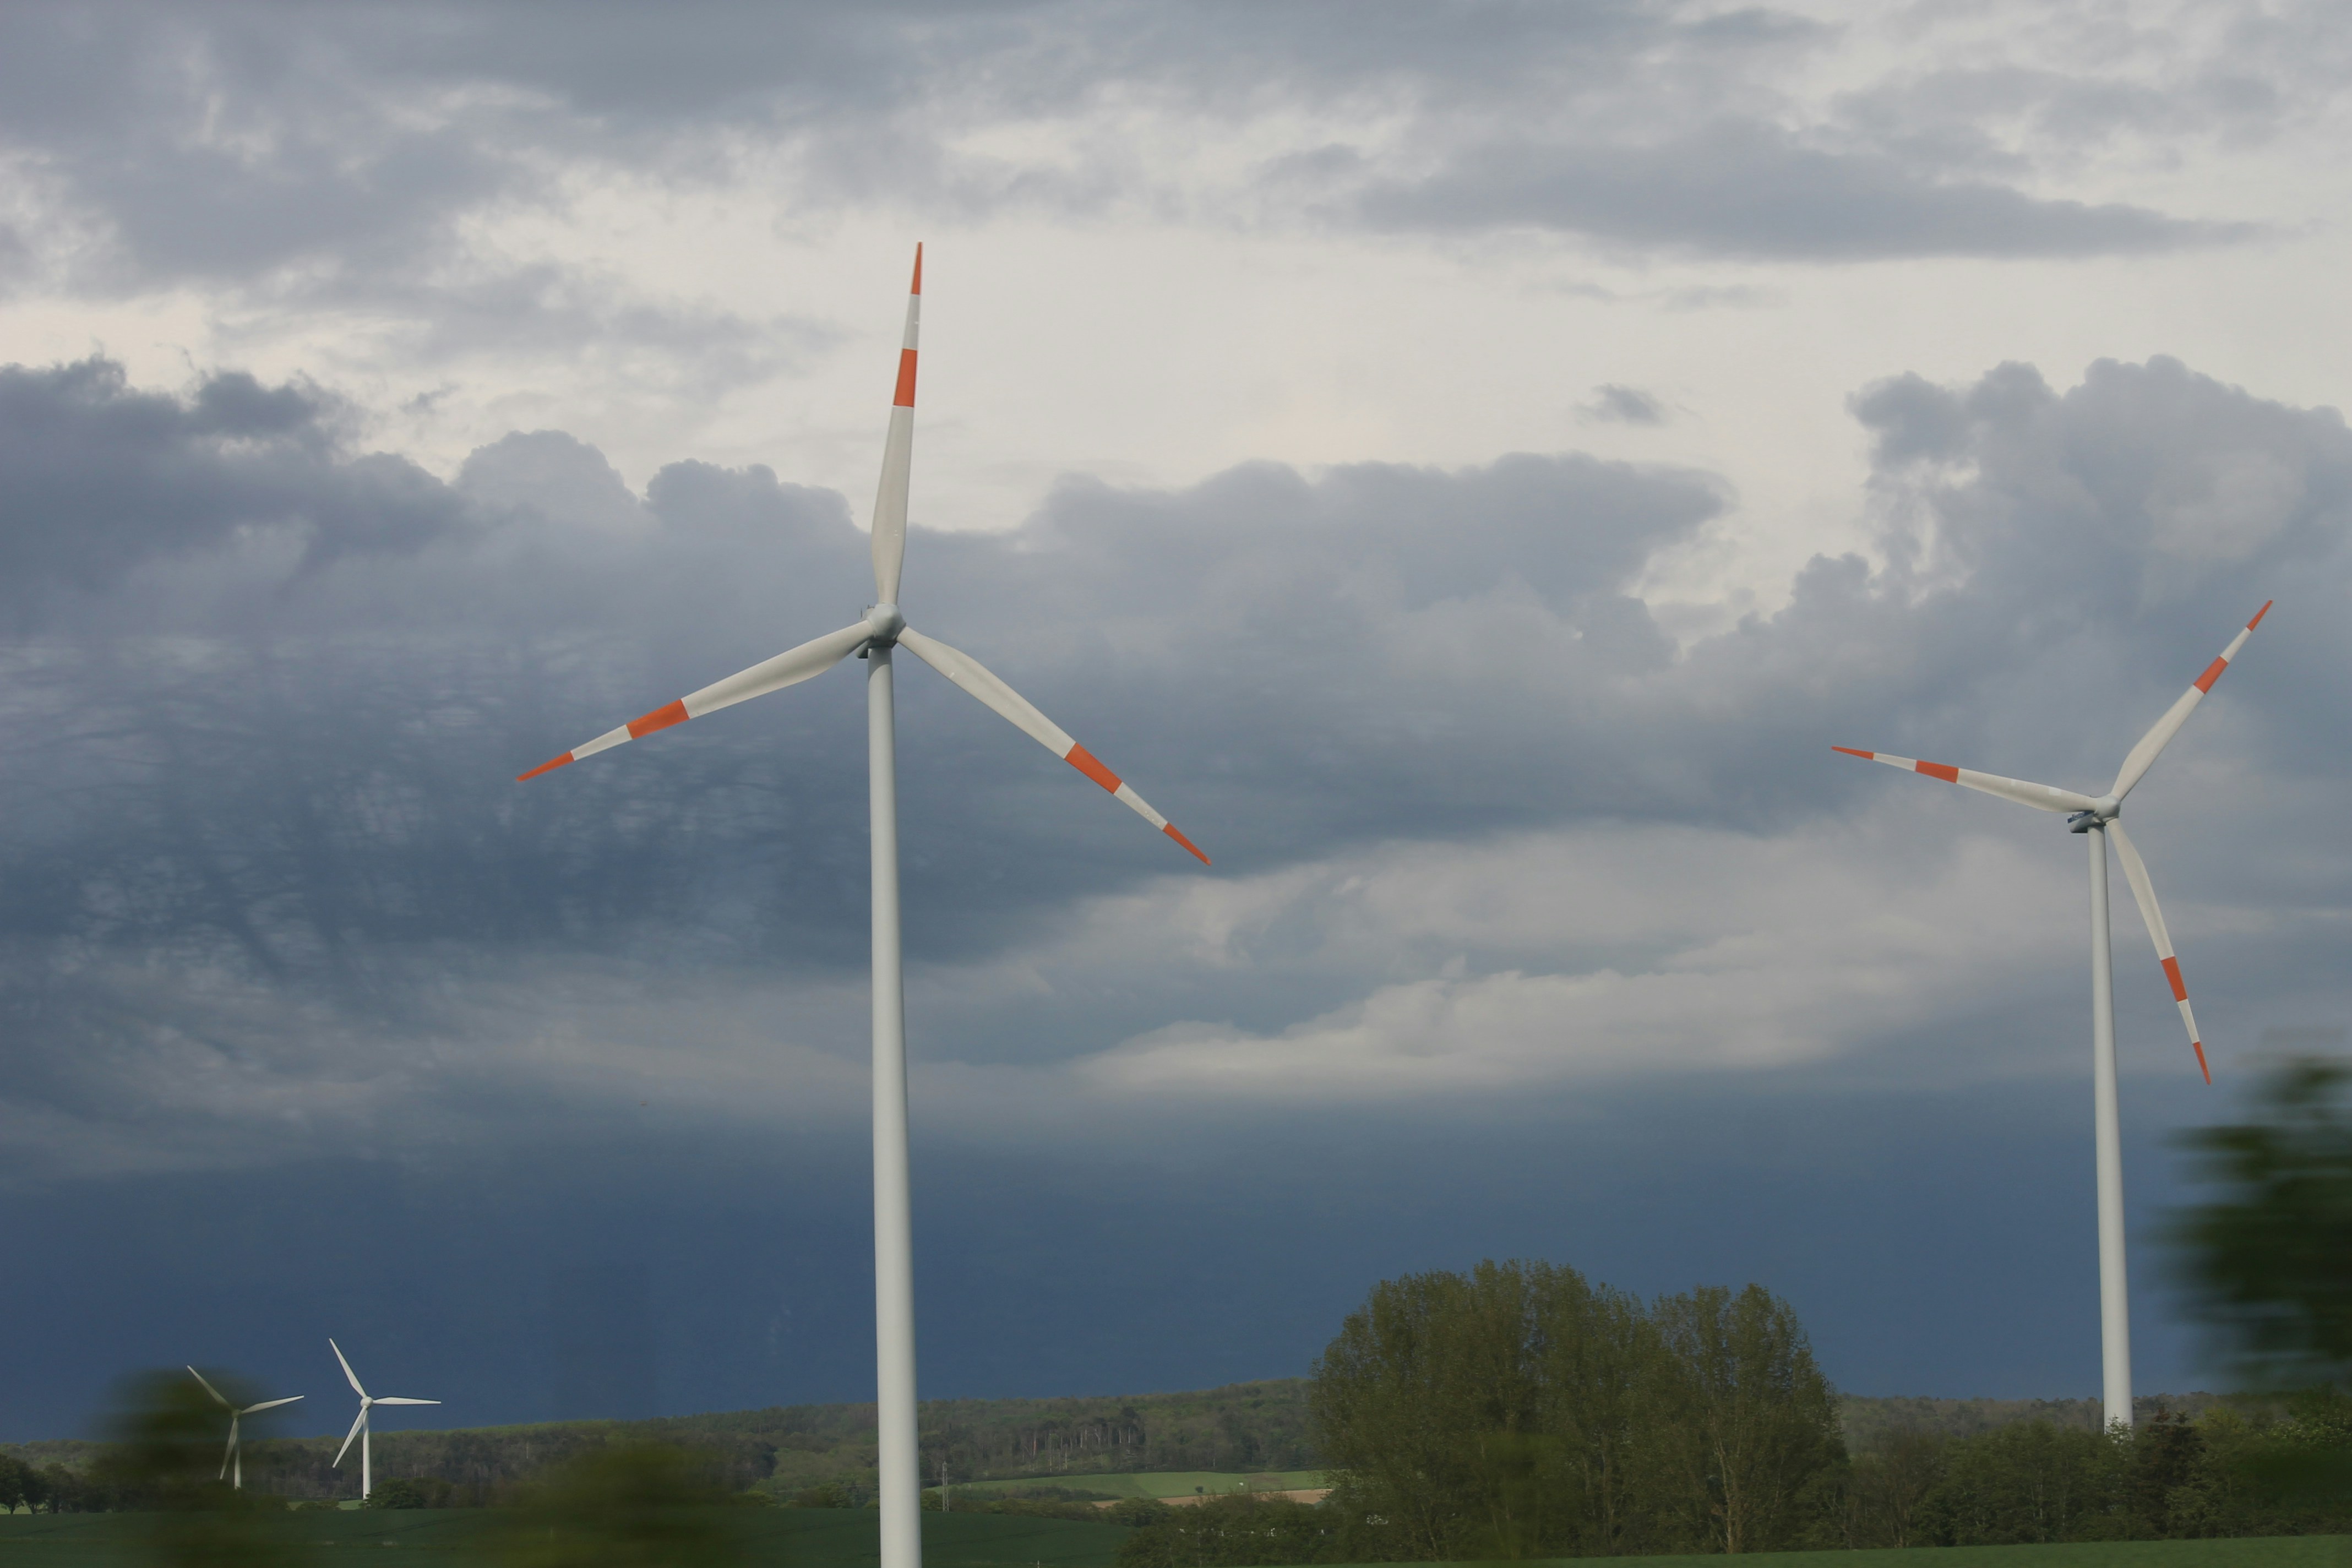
1466	464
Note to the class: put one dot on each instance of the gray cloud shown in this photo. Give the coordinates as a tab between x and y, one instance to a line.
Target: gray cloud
1615	404
1754	191
316	154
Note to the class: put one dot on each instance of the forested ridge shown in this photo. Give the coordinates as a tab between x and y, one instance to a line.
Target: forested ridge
784	1450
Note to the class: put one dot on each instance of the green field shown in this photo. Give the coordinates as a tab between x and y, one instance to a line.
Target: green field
2278	1552
1156	1483
461	1538
846	1537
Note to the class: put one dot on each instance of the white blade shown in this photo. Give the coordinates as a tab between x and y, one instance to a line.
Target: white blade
2041	797
787	669
982	683
216	1393
269	1404
897	456
348	1372
230	1452
2144	890
2143	757
355	1432
387	1399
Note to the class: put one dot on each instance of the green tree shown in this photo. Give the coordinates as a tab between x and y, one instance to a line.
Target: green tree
2030	1482
1758	1422
2269	1255
625	1506
18	1483
1521	1411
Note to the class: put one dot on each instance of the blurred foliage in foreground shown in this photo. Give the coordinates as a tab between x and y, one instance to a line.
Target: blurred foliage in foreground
630	1506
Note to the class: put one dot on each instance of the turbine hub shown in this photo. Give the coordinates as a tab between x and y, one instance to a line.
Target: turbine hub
2103	810
886	622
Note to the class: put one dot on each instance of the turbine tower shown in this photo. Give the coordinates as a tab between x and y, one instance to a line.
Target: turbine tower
875	637
2099	820
360	1427
234	1459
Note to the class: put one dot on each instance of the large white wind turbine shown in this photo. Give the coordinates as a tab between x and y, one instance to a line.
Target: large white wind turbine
873	638
359	1427
2100	820
234	1456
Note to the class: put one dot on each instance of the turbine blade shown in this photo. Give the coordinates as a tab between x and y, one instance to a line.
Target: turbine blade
897	456
348	1372
2144	892
2143	757
348	1437
387	1399
230	1452
2041	797
216	1393
787	669
982	683
269	1404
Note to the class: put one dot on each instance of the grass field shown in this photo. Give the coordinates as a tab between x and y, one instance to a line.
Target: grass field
2279	1551
846	1537
1159	1483
464	1538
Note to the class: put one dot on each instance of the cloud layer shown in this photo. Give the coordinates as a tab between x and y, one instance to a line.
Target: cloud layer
1479	822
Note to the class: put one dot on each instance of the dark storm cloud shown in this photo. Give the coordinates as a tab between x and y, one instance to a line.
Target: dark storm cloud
328	153
96	479
261	809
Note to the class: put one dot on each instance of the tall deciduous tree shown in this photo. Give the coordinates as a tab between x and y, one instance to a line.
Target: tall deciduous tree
1521	1411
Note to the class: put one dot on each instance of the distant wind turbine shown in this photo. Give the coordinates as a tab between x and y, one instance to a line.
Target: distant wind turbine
359	1427
2099	820
873	638
233	1459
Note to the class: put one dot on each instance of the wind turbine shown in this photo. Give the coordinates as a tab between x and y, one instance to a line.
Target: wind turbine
234	1456
873	638
2098	820
360	1427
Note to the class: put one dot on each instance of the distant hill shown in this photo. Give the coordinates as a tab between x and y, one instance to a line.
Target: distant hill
787	1449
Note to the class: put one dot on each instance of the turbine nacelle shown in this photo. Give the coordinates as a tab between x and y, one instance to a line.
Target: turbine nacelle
886	622
2103	810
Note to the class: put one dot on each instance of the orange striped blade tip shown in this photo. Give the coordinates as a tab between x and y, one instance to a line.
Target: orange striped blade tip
1944	771
2199	1045
917	285
1848	751
1170	831
547	767
2260	614
2213	673
904	397
2172	972
659	719
1085	761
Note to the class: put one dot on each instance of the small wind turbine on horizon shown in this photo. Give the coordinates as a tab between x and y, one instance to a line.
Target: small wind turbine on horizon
234	1458
873	638
2099	820
360	1429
